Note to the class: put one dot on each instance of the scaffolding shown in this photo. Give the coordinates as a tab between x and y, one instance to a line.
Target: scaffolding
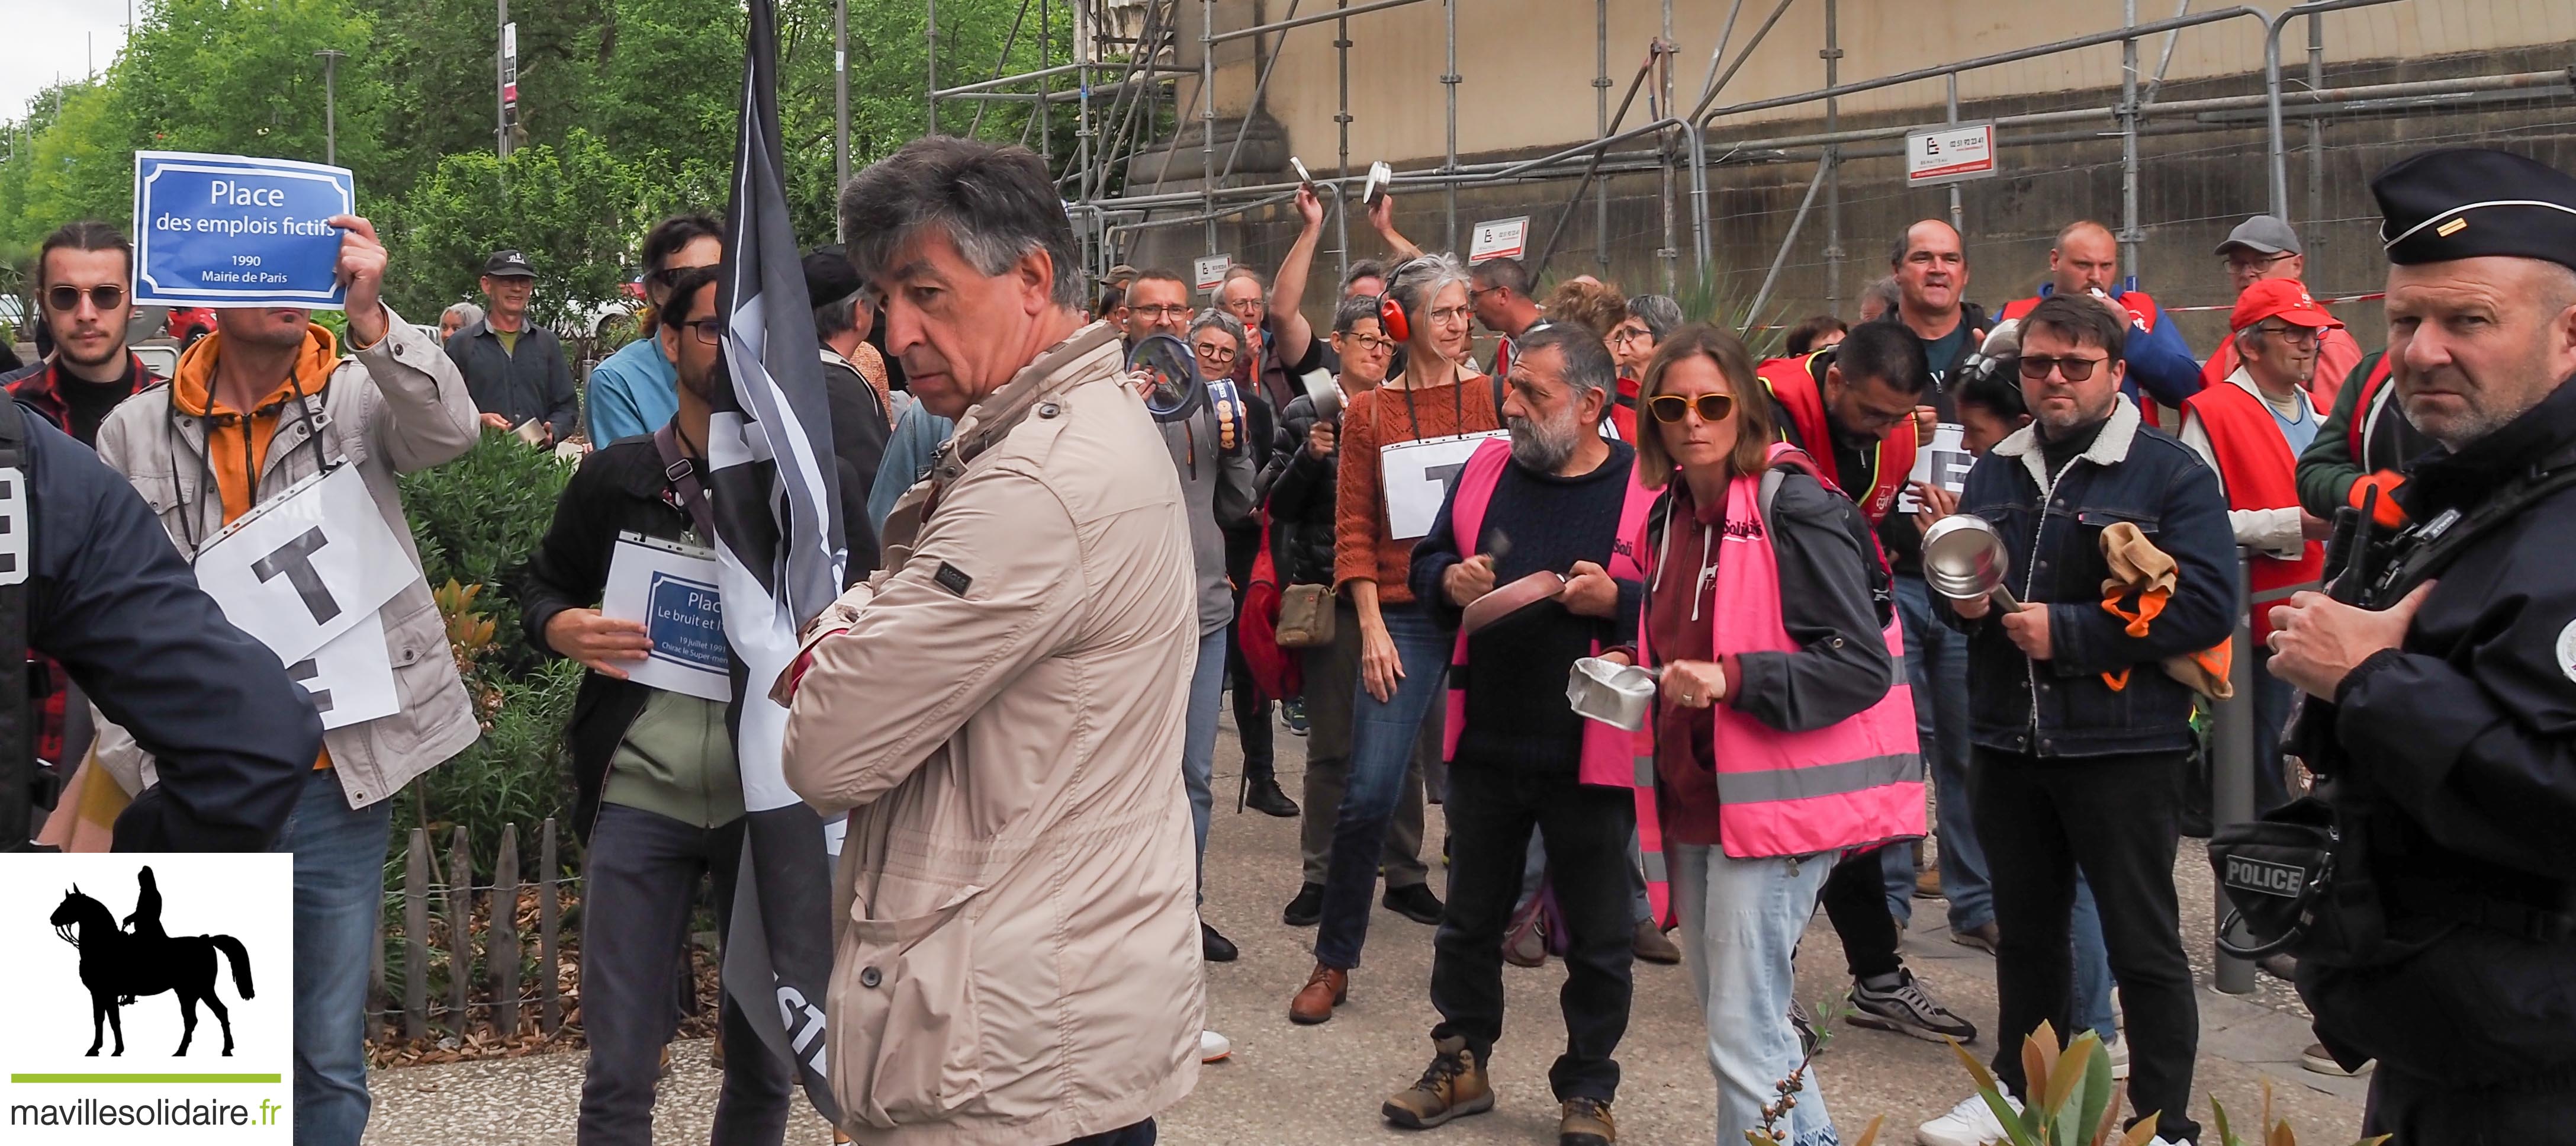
1126	77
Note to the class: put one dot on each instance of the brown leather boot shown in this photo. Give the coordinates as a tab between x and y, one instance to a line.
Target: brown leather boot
1324	990
1585	1122
1452	1087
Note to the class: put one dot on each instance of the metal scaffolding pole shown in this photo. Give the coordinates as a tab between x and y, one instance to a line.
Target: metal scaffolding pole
2316	137
1833	55
1342	125
1958	214
1207	119
1449	84
1601	129
1260	87
2132	236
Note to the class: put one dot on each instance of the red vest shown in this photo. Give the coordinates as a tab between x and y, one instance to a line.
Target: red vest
1793	382
2142	315
2261	473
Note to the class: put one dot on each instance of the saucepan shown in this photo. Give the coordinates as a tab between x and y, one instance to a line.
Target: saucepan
1964	559
1612	693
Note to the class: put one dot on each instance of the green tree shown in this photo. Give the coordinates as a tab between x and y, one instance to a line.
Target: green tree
240	76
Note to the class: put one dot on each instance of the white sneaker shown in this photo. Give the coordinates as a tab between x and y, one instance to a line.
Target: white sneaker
1970	1123
1213	1046
2117	1047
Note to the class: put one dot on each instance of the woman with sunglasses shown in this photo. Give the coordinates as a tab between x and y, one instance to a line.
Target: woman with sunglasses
1404	654
1775	658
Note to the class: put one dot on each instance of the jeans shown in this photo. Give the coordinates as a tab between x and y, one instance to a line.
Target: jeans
1491	813
1740	923
1140	1134
1936	664
1382	736
2116	820
1198	738
1332	673
642	887
1855	899
339	892
2272	697
1641	907
2092	965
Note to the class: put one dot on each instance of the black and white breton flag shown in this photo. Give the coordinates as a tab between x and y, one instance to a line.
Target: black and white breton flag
778	538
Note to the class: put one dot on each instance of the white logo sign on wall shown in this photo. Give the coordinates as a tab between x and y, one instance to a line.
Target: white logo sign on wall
1498	239
1949	154
1209	272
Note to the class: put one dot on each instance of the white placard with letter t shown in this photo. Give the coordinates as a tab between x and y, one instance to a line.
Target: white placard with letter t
1417	477
306	565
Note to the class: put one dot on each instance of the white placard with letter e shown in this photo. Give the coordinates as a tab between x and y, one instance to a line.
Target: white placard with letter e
671	588
1498	239
350	679
1944	463
306	565
1417	477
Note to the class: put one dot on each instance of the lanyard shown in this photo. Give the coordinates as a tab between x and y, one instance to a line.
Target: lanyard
1457	405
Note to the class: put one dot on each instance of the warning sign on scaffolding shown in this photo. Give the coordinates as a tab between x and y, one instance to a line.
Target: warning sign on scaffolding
1210	272
1498	239
1950	153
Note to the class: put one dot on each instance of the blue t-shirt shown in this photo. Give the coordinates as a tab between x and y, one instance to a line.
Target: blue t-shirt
2297	431
632	392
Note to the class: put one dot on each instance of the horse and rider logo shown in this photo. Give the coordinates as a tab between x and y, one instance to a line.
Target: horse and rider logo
119	965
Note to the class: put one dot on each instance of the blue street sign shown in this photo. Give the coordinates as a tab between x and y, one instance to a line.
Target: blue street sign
228	231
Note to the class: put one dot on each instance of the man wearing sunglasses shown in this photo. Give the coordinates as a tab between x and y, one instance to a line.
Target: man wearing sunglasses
2251	429
83	287
2265	249
514	368
658	795
634	392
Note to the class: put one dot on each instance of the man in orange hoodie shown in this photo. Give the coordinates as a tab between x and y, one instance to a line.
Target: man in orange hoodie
265	402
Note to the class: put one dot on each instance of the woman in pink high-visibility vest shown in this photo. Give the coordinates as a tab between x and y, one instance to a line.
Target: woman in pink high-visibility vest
1784	734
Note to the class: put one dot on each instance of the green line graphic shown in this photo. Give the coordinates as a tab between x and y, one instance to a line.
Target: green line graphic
160	1078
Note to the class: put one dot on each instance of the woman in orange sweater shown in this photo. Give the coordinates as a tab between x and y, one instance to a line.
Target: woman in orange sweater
1403	655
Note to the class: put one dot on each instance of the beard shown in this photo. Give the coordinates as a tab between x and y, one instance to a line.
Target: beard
1544	446
2472	412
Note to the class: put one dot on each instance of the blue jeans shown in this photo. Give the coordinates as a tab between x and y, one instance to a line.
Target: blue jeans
339	891
1936	664
1641	907
1381	751
1198	737
2092	964
2272	697
1740	923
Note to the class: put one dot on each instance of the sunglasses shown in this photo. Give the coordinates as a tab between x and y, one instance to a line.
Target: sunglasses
105	296
2075	369
1711	407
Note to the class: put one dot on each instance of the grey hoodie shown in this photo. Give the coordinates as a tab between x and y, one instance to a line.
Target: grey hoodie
1216	487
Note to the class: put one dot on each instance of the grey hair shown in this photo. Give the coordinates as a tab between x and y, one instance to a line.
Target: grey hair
1885	292
995	204
1214	317
1507	273
465	313
1416	281
1659	312
1353	311
1587	362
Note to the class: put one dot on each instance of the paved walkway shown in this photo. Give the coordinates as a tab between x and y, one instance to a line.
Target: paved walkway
1322	1085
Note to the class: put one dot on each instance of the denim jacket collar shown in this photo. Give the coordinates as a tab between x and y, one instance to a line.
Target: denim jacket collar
2109	448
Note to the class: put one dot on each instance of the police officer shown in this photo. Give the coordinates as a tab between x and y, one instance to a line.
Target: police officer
2452	749
92	581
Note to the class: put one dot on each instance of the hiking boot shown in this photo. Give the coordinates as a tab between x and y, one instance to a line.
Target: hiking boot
1584	1121
1651	945
1927	883
1453	1086
1307	909
1898	1003
1266	798
1984	937
1327	988
1414	902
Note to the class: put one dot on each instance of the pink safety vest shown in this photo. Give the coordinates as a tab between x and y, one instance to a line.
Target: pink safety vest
1612	757
1850	785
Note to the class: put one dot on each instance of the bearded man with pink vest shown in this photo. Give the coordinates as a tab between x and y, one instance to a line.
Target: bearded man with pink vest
2078	734
1527	560
2251	428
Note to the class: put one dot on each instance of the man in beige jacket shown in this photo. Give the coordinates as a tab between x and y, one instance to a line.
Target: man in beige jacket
1017	947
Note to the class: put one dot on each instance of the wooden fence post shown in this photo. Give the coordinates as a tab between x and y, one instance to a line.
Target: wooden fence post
549	971
504	943
416	937
460	927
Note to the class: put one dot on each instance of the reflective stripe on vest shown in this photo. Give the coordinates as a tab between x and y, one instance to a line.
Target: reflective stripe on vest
1793	382
2260	472
1851	784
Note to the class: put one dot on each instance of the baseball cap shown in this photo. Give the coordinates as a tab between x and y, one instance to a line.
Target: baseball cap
829	277
2262	235
2284	299
508	264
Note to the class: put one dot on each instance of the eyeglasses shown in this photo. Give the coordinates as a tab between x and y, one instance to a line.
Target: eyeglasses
2294	334
2075	369
1711	407
1370	343
1627	334
1214	352
1443	316
1176	310
2243	265
708	330
105	296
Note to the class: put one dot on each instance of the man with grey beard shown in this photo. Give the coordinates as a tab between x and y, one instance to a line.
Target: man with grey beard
1529	557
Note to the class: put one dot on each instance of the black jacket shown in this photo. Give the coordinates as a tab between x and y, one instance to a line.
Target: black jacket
533	381
1300	490
2466	735
859	432
618	488
109	598
2062	706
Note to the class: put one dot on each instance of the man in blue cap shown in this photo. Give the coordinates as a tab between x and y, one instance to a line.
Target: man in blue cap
2442	705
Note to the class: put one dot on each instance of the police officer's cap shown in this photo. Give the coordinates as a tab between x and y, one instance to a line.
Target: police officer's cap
2467	202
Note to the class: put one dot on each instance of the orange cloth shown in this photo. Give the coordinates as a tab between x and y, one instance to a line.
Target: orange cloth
2386	513
237	446
2138	567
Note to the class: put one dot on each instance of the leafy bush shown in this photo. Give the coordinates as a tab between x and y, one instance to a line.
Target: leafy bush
2072	1103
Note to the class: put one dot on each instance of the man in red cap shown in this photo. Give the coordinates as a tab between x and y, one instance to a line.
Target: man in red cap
2252	430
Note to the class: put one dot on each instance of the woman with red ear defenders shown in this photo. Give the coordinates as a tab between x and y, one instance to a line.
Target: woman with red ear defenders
1403	653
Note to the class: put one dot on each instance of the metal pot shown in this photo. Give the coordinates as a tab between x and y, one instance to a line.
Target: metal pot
1964	559
1614	694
